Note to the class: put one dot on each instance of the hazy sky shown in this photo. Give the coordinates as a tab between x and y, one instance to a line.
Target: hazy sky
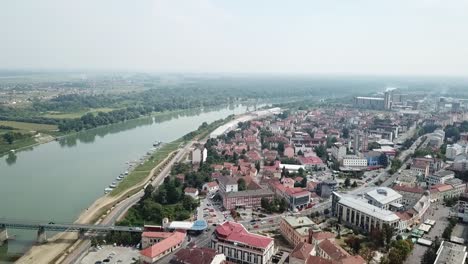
309	36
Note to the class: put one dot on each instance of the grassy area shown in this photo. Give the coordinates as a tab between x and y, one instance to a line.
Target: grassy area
142	171
28	126
4	147
61	115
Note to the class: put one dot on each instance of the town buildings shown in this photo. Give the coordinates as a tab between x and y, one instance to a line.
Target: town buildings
198	256
440	177
358	212
241	246
199	154
162	248
452	253
296	229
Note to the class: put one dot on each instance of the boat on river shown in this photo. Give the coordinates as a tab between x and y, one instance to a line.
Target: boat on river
107	190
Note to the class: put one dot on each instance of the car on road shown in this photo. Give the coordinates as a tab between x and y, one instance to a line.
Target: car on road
255	226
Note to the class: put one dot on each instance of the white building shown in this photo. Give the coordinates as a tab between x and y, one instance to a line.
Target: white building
461	162
440	177
199	154
452	253
241	246
354	161
358	212
227	184
383	197
454	150
338	151
210	187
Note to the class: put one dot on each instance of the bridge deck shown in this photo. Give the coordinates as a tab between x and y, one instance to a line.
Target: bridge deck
62	227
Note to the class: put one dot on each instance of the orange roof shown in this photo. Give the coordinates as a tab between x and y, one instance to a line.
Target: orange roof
157	234
318	260
323	235
158	248
235	232
442	187
302	251
334	251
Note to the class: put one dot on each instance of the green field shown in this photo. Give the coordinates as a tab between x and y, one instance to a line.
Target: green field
141	171
5	148
29	126
61	115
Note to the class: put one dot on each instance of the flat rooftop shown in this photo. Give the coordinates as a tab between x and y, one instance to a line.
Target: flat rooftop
297	222
451	253
363	206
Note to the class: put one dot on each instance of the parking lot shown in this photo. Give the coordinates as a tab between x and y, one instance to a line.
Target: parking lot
112	255
436	212
211	211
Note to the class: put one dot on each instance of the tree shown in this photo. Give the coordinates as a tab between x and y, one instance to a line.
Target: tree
383	160
373	145
241	184
354	243
345	132
281	147
354	185
387	232
321	151
257	166
304	182
367	254
347	182
148	191
300	153
326	211
300	171
8	137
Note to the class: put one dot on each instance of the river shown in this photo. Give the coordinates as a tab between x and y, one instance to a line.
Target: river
58	180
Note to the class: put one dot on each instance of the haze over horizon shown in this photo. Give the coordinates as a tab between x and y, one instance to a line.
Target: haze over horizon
412	37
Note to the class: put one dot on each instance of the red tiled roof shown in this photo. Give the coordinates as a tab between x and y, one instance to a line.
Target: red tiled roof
333	250
158	248
302	251
310	160
404	215
318	260
442	187
297	191
403	188
211	184
353	260
194	256
190	190
323	235
156	234
237	233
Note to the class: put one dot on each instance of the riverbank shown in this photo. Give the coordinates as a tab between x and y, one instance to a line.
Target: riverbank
61	242
105	206
52	134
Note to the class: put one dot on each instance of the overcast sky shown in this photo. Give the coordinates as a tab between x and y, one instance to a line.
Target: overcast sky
428	37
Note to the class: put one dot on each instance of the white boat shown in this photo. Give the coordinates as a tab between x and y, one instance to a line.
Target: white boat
113	185
126	173
107	190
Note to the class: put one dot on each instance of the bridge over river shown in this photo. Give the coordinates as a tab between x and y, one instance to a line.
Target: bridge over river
42	227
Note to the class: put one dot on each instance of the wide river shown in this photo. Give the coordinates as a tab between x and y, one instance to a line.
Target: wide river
58	180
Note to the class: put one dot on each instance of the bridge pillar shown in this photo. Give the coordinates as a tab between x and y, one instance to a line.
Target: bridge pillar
3	234
41	235
81	233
